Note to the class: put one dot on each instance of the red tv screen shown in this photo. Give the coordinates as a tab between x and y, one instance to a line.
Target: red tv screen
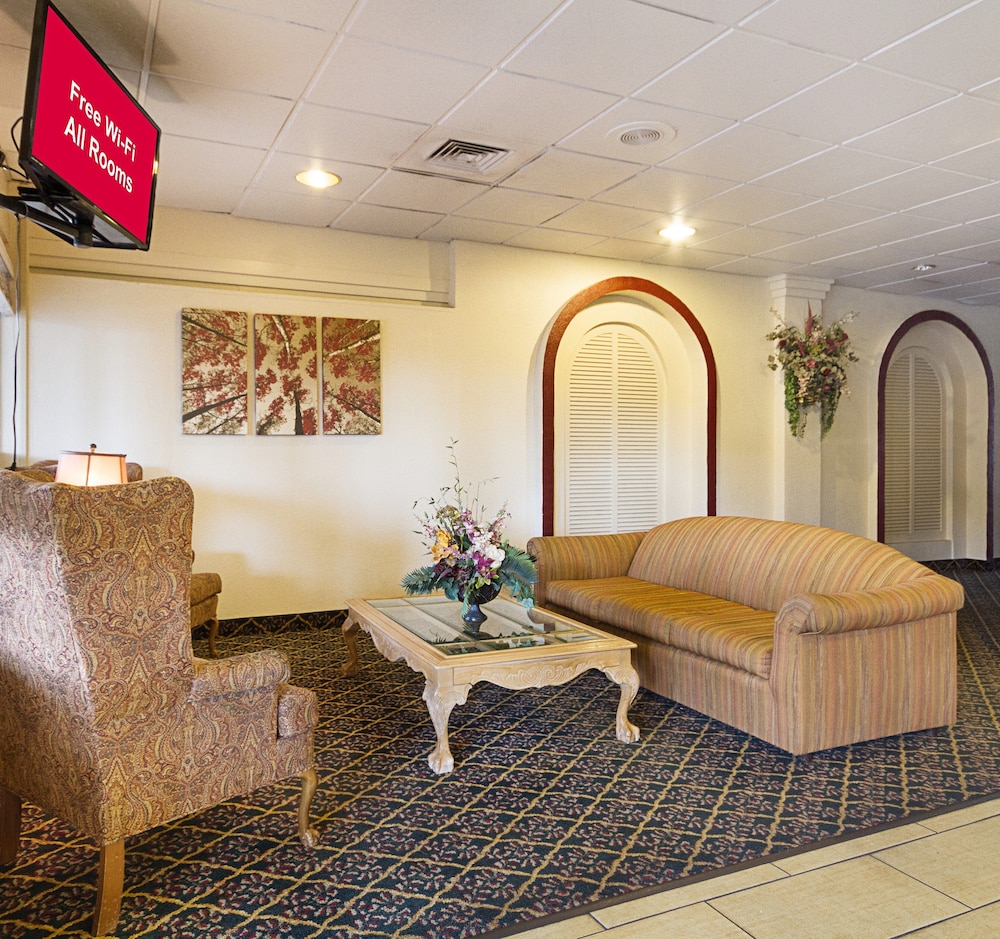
85	131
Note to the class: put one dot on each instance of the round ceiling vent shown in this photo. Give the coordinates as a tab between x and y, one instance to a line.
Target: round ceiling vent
642	133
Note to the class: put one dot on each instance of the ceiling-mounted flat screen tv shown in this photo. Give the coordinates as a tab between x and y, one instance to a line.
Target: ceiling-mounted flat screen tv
87	144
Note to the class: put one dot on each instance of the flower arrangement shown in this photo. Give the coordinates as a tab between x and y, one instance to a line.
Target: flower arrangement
815	366
471	555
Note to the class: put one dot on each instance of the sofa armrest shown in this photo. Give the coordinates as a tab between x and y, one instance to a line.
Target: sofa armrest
870	609
581	557
238	673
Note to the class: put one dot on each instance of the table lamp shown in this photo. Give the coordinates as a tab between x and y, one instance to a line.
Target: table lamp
90	468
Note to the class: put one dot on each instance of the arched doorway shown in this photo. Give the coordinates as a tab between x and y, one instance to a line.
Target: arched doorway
690	334
935	440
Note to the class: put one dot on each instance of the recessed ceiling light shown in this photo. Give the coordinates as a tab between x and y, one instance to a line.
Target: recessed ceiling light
677	232
924	267
317	179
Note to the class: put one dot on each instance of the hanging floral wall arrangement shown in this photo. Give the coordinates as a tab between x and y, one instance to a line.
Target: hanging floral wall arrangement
815	362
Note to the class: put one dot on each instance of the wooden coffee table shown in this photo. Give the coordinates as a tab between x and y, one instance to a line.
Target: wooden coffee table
514	649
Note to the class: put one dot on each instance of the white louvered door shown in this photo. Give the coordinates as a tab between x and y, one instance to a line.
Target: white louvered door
614	463
915	452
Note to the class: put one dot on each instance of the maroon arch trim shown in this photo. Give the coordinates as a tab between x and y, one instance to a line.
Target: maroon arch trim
926	317
576	305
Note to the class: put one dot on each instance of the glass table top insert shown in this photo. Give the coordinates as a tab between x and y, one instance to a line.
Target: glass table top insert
438	621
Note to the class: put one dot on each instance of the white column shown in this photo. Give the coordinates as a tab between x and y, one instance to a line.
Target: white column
798	465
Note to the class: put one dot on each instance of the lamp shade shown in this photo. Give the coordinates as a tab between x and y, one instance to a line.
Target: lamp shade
90	468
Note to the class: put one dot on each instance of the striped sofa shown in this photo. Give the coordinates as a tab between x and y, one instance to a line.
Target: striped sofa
805	637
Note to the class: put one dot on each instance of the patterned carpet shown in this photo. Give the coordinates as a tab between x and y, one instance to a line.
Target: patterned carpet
546	809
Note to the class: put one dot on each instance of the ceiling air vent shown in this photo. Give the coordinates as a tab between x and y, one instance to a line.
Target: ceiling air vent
470	157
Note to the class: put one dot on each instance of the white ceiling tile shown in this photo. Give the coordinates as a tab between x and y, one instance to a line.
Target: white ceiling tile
482	31
830	110
748	241
527	108
547	239
13	69
234	49
990	91
116	29
958	52
621	250
810	250
718	11
980	161
610	45
471	229
915	187
424	193
974	206
679	129
834	171
988	251
888	229
193	109
747	204
751	267
16	20
516	207
335	134
664	191
727	80
854	28
745	152
408	85
820	218
571	174
278	175
591	218
681	256
321	14
957	124
316	210
950	239
383	220
212	176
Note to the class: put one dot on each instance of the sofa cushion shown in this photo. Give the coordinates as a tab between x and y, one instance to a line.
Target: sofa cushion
718	629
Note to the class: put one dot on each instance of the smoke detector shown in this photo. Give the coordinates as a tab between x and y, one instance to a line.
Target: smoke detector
467	157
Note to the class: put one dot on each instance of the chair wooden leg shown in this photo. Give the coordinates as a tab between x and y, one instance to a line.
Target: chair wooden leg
213	631
110	880
10	826
307	835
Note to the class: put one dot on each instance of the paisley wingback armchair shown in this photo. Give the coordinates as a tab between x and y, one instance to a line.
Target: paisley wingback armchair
107	720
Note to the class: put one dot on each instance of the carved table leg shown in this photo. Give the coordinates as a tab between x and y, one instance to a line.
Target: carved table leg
351	668
625	730
440	705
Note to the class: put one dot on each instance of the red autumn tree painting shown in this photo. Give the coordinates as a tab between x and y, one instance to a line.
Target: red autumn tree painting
213	371
352	376
286	374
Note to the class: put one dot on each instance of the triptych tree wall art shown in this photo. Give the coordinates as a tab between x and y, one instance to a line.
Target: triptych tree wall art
308	376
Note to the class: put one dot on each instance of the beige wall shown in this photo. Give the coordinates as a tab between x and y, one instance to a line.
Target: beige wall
302	524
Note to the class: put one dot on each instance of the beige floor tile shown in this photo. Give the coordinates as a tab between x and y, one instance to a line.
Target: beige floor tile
687	895
843	850
857	899
963	863
971	813
575	928
692	922
976	924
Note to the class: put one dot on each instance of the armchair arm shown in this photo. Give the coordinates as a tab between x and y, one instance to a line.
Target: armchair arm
870	609
238	673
